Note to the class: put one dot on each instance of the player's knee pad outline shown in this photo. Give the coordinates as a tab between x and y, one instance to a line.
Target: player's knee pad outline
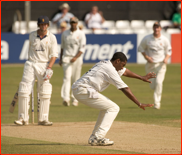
23	90
45	90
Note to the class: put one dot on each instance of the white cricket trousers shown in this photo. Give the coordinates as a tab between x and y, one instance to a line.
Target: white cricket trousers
157	83
108	110
32	70
72	72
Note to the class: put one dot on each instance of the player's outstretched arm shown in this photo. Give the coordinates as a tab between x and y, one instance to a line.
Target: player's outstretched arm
145	78
130	95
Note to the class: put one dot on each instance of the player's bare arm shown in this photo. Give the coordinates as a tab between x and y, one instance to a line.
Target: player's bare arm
76	57
149	59
145	78
130	95
51	62
61	55
166	59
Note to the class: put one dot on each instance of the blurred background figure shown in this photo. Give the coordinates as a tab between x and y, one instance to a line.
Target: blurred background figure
63	16
176	19
80	26
73	43
63	27
94	19
156	49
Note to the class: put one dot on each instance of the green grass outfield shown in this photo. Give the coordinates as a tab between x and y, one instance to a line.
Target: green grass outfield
168	115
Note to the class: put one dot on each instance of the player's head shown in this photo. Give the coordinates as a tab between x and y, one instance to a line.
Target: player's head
63	26
74	22
64	7
119	60
157	28
179	7
94	9
43	20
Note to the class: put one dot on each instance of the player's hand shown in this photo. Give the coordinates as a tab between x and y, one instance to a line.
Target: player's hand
60	62
165	61
149	76
73	59
48	74
145	105
149	59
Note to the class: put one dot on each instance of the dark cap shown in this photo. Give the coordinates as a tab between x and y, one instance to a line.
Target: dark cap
74	19
157	24
43	20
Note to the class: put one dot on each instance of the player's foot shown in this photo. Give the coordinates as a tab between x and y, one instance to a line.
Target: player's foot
66	103
45	123
101	142
75	103
91	138
157	107
20	122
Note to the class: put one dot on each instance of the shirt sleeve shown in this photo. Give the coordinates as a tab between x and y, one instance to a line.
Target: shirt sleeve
175	18
121	72
54	47
143	45
82	42
116	80
56	17
168	49
87	17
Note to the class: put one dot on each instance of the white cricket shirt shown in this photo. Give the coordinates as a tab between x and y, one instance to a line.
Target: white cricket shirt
73	42
66	18
100	76
95	21
157	48
41	50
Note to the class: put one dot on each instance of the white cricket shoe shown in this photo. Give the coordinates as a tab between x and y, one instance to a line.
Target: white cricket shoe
75	103
20	122
45	123
157	107
66	103
91	138
101	142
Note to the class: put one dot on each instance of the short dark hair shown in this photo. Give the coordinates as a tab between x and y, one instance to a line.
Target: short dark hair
119	55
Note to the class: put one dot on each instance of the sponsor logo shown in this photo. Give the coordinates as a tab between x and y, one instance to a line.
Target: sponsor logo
106	51
4	50
93	52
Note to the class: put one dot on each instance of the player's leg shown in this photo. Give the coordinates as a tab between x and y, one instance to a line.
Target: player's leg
45	91
76	72
108	112
24	92
66	86
161	70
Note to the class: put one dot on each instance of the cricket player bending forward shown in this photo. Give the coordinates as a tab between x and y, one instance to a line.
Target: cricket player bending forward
42	49
86	90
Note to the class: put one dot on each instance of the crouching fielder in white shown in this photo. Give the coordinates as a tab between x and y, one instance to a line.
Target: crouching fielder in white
86	90
41	57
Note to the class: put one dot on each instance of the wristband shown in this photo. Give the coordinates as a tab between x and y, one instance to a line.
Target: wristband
48	67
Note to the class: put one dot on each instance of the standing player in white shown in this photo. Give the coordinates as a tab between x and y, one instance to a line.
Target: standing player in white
87	88
73	43
41	57
156	49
